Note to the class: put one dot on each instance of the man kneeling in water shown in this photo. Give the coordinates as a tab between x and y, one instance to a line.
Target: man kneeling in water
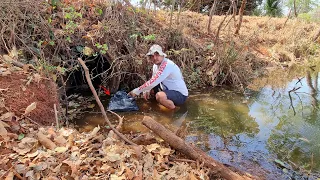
166	75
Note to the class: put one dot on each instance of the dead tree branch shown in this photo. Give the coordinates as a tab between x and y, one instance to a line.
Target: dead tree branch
86	70
317	36
171	13
192	152
212	12
221	23
242	7
287	18
295	8
290	97
120	119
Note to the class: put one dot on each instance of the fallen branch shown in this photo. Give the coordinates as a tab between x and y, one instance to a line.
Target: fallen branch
32	121
17	174
9	170
86	70
120	119
183	160
192	152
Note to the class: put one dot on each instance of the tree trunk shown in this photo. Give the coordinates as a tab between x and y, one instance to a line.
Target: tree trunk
234	5
315	84
171	15
178	16
155	8
243	5
317	36
191	151
309	83
212	12
149	8
144	4
128	3
295	8
221	23
287	18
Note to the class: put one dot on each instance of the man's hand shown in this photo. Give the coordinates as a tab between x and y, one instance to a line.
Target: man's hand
146	95
132	94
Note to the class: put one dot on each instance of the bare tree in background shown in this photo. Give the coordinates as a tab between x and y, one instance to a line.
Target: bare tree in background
128	3
234	13
287	18
221	23
243	5
181	5
317	36
234	9
295	8
144	4
313	88
171	15
212	12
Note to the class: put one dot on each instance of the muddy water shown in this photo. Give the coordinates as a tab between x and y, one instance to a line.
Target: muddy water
272	130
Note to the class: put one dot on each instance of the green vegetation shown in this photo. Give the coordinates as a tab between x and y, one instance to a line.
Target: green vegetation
273	8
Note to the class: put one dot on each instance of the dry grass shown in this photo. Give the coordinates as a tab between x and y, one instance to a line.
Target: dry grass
44	34
269	37
263	41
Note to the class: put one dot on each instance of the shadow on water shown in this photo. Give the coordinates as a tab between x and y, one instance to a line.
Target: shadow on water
270	131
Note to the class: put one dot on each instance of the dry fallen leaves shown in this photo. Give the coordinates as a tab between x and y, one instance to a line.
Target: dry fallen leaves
36	156
30	108
25	145
45	141
3	131
7	116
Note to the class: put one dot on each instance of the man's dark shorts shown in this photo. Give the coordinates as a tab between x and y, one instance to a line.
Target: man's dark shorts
175	96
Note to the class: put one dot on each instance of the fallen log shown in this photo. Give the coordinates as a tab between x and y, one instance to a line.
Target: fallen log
192	152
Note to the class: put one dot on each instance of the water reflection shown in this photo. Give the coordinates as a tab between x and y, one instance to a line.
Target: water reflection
288	118
276	119
223	113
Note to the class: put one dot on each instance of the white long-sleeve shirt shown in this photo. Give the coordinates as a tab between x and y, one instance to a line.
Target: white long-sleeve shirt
168	74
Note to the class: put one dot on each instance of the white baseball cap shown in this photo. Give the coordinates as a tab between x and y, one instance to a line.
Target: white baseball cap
156	48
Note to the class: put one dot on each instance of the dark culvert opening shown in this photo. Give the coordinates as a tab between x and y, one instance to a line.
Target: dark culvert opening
76	81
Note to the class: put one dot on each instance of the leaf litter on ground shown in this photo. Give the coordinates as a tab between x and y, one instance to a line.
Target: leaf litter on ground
50	153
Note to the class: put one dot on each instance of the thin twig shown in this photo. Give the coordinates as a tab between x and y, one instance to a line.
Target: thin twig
9	169
300	102
17	174
86	70
299	81
291	103
32	120
56	115
184	160
221	23
119	117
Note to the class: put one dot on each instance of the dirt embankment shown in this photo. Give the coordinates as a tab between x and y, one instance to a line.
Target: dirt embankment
19	89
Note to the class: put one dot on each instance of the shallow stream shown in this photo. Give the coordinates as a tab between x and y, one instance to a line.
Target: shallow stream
271	130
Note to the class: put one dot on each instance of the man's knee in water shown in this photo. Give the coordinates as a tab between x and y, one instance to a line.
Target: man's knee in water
161	96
